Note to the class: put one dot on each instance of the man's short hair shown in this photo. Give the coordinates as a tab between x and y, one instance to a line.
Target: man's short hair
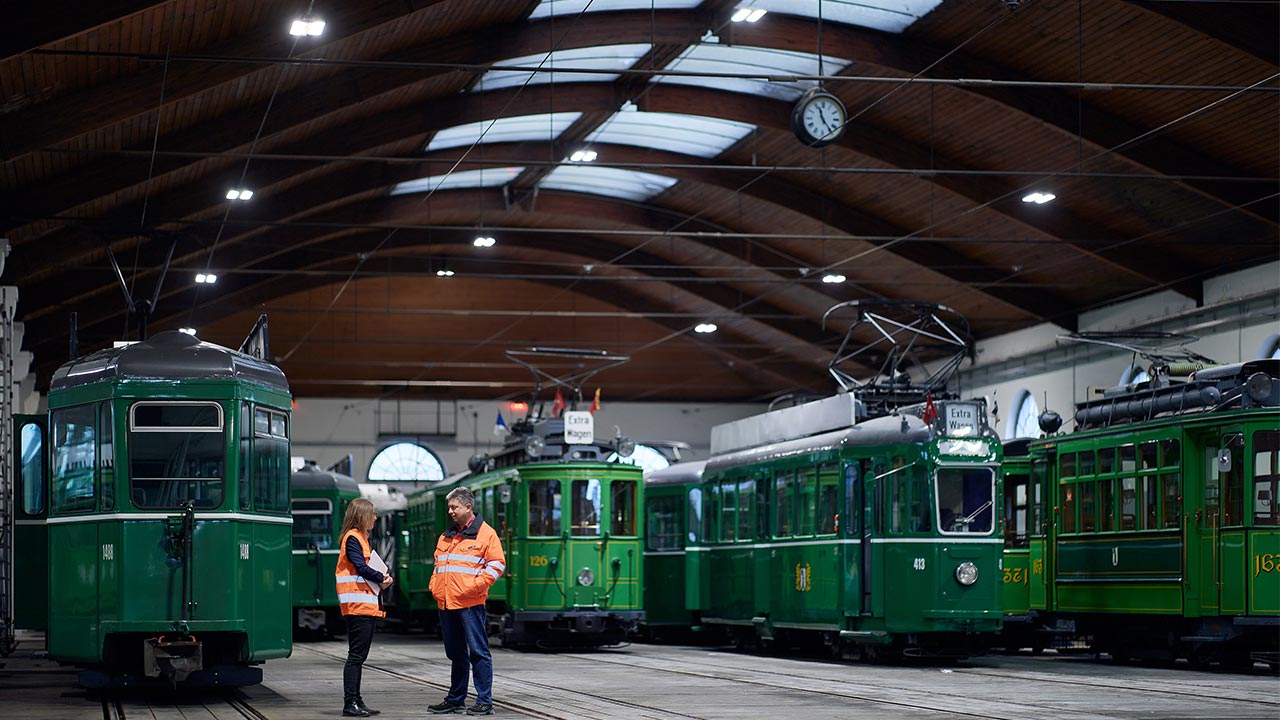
462	495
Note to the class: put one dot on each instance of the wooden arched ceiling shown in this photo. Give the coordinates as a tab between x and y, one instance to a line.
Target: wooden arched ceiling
125	125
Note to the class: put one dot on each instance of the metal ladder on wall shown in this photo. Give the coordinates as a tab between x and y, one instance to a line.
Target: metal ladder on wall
8	305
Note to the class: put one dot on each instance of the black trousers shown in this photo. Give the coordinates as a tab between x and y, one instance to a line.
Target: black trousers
359	638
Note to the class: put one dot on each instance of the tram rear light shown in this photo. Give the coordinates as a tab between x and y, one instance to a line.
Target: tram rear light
966	573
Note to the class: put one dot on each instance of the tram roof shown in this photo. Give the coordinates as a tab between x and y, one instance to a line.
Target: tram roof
313	478
887	430
170	355
678	474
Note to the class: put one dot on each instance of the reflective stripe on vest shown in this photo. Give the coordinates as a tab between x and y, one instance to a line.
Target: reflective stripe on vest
355	594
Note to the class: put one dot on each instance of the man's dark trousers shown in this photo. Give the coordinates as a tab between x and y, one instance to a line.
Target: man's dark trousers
467	646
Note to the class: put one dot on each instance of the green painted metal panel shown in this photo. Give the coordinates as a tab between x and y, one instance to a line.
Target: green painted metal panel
1234	564
1038	595
1120	557
73	587
1016	579
1144	598
1264	572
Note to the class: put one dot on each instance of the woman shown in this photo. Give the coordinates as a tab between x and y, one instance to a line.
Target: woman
359	588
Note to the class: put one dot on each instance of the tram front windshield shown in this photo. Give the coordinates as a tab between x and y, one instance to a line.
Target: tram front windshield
965	500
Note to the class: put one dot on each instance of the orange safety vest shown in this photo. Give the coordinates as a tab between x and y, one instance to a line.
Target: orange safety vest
355	595
468	562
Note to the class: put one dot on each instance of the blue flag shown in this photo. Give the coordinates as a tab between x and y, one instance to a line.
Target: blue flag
500	426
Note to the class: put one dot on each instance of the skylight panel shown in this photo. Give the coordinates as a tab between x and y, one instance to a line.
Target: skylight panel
610	182
563	8
741	59
599	57
688	134
459	179
892	16
525	128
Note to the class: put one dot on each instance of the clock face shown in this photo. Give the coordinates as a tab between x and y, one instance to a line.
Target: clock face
819	120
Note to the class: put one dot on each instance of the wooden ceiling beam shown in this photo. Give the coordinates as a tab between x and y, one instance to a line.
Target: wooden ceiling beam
1247	26
38	24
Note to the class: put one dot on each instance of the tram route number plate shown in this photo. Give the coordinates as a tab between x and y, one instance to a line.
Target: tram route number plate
579	427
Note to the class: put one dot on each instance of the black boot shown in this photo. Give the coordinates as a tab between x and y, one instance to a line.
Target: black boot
354	709
365	707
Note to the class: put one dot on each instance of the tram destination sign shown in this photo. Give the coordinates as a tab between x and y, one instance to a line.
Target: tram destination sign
579	427
962	419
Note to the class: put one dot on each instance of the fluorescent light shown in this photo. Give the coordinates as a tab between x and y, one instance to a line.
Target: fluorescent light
705	328
444	273
189	331
1038	198
233	194
583	156
484	241
206	278
748	14
306	26
756	14
239	194
834	278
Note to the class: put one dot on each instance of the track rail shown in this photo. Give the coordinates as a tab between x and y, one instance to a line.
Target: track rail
119	705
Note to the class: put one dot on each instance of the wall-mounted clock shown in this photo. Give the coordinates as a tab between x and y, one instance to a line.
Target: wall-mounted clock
818	118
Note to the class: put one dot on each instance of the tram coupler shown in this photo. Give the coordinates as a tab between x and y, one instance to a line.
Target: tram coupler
172	659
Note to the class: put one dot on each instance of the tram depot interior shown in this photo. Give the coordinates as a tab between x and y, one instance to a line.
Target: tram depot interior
408	189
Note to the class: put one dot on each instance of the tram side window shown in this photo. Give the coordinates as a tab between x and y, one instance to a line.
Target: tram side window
106	456
897	502
786	506
1151	502
1128	503
74	456
544	508
1067	465
966	500
852	501
1106	505
246	450
1015	511
726	499
1172	504
1085	463
806	494
663	532
1106	460
763	507
1088	508
177	454
270	461
622	508
32	439
1149	455
1233	490
746	491
312	523
828	499
1266	477
695	528
584	517
1068	508
921	509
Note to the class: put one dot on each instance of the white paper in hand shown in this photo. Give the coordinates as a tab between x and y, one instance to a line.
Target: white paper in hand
377	563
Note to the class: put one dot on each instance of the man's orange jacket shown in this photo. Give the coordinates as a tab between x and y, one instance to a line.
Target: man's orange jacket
468	562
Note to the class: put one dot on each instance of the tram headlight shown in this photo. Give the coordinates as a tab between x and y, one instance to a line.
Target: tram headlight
586	577
626	447
533	446
966	573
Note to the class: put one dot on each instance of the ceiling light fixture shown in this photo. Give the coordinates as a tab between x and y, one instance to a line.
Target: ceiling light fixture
188	330
484	241
444	273
833	279
206	278
705	328
306	26
583	156
748	14
239	194
1038	198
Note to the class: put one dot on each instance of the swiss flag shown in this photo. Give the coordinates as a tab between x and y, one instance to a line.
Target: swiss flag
930	415
558	406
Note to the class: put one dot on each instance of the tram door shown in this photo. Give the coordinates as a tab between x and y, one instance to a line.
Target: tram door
865	502
1221	526
27	584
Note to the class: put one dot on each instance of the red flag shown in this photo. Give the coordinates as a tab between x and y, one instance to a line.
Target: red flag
558	406
595	404
930	415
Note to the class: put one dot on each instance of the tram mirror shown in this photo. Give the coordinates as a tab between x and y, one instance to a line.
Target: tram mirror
504	493
1224	460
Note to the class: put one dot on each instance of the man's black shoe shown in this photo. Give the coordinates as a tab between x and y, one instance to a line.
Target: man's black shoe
351	709
448	706
480	709
365	707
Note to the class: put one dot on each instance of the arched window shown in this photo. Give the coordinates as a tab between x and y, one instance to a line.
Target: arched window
1133	375
405	461
644	456
1270	348
1024	421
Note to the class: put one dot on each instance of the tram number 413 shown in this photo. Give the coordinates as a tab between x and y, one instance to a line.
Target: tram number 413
917	564
1265	563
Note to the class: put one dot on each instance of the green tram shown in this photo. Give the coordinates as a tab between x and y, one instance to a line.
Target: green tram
875	537
1023	626
319	500
569	524
673	513
1161	534
160	481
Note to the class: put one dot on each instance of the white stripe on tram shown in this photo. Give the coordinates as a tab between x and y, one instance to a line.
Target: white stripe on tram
104	517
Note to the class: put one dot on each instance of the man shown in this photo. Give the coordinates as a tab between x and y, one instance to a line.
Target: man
469	561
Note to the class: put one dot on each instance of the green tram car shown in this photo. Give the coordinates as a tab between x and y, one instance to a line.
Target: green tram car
1023	626
673	513
1156	530
319	502
570	526
874	537
159	482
